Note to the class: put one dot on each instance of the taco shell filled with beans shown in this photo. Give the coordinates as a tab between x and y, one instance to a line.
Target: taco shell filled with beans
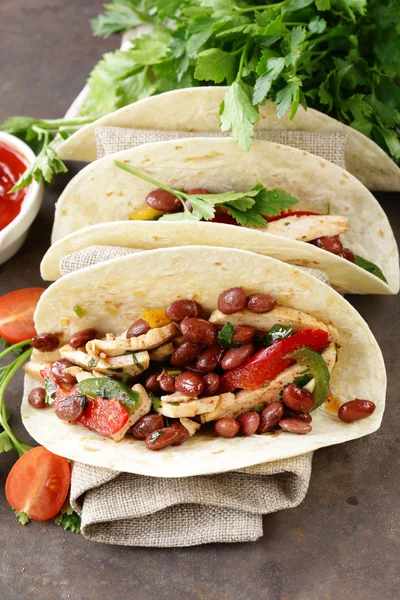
274	200
193	360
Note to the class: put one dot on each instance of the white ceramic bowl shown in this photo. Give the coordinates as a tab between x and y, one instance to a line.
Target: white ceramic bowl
13	236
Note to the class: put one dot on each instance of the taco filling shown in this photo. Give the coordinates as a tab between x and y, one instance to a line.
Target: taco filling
251	366
268	210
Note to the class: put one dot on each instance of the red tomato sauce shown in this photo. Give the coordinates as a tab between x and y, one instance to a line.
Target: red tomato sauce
12	165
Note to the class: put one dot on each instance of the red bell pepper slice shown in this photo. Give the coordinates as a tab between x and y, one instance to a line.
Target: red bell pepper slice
106	417
295	213
268	363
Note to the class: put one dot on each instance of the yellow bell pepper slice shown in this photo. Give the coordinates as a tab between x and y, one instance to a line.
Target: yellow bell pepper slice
155	317
144	213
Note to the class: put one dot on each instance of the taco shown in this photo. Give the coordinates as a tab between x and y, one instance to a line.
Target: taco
197	110
294	189
219	358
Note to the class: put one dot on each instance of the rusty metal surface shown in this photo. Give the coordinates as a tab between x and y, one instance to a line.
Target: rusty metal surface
341	542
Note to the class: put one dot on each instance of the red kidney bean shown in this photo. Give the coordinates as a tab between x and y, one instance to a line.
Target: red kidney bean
157	440
184	353
139	327
183	433
70	408
355	410
209	359
199	331
146	425
236	357
189	383
82	337
226	427
180	309
297	398
348	255
37	397
45	342
198	191
295	426
261	303
330	243
270	417
290	414
232	301
152	383
243	334
211	384
57	369
249	423
164	201
167	383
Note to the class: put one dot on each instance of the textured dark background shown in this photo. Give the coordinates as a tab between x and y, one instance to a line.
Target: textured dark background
341	543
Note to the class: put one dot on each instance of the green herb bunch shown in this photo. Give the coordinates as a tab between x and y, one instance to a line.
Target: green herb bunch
341	57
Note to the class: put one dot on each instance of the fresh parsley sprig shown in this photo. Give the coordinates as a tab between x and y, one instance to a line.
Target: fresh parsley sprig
8	441
247	208
39	134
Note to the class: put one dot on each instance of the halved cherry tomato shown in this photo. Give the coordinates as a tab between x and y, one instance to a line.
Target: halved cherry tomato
104	416
288	213
16	314
268	363
38	484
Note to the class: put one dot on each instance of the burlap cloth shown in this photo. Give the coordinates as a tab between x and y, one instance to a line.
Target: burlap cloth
133	510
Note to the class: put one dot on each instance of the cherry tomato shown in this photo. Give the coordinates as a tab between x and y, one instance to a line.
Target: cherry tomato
38	484
106	417
16	314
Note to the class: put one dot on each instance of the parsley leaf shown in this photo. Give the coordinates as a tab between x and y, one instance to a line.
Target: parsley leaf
68	519
238	114
5	442
224	336
215	65
274	67
370	267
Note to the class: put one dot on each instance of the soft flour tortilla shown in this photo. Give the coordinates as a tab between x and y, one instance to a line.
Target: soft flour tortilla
115	293
102	193
197	109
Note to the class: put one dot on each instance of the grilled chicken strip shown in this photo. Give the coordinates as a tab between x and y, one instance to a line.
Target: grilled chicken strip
132	364
177	405
152	339
281	315
308	227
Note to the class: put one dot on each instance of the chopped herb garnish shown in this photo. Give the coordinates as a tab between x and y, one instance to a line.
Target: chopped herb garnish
277	332
225	336
137	363
92	363
370	267
78	310
174	403
50	388
156	402
173	373
258	408
328	208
